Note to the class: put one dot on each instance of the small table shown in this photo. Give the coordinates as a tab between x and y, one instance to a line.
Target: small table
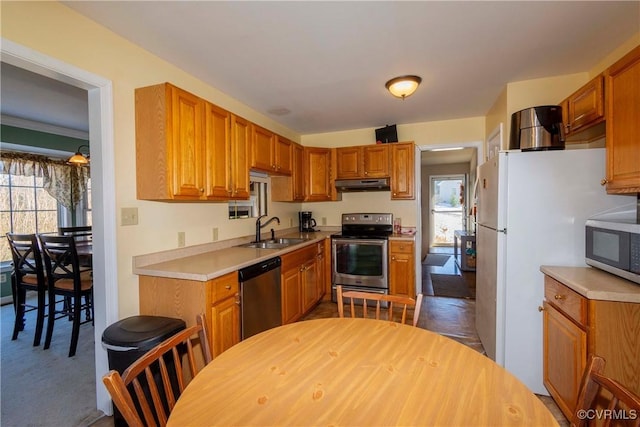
356	372
464	261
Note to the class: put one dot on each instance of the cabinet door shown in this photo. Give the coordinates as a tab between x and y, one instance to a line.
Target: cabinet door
376	161
317	171
262	149
564	358
586	106
186	136
226	325
309	275
239	158
623	124
349	162
218	152
291	295
401	268
402	175
321	270
283	161
297	174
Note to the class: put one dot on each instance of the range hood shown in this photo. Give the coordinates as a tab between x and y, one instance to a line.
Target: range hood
351	185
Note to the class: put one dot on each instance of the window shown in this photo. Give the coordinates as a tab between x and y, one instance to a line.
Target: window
25	207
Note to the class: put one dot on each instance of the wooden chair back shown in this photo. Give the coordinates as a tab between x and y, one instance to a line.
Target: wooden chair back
28	275
377	301
61	258
84	231
623	406
27	259
152	412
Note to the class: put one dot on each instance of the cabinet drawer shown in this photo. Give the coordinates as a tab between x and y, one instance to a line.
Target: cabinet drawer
569	302
224	287
400	247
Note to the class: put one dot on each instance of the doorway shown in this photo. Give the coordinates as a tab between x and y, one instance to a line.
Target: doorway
100	99
446	207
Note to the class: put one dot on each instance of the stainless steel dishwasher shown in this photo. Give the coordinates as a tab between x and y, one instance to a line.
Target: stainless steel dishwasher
260	292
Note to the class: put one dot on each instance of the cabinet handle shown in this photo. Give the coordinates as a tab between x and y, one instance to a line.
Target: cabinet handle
559	297
227	287
202	190
395	194
238	299
540	308
393	258
604	181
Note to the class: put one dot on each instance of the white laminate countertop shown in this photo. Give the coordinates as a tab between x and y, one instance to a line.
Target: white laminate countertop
215	263
203	263
595	284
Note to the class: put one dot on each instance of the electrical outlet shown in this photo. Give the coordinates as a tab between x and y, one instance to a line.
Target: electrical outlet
215	234
181	241
129	216
324	220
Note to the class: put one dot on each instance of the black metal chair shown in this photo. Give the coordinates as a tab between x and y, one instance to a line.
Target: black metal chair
66	278
28	275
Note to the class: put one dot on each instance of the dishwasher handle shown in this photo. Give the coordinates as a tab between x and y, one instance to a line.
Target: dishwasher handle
258	269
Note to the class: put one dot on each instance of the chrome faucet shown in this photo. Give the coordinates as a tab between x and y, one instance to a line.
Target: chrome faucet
259	226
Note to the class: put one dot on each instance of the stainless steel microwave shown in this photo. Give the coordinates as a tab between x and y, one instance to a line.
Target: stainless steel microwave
614	247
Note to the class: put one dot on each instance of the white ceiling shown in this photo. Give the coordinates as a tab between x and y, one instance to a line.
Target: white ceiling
327	62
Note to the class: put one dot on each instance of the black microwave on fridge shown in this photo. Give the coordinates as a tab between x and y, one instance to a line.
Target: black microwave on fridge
614	247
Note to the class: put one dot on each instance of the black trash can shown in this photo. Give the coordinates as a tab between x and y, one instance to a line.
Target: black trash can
128	339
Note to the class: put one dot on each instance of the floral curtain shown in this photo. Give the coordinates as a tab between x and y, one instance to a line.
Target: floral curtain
66	183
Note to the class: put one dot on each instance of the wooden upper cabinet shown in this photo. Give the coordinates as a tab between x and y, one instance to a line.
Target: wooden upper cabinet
170	161
402	172
623	124
270	152
290	188
348	160
218	152
262	152
283	155
585	107
239	153
362	162
317	174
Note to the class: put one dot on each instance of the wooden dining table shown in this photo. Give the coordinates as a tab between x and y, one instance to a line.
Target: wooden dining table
355	372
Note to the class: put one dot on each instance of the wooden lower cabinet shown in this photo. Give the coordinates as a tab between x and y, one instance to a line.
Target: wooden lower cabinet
302	276
574	327
185	299
565	354
401	268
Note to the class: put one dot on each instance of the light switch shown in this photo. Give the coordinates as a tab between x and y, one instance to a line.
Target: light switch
129	216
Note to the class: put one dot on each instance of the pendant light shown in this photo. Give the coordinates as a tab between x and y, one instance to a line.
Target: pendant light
403	86
79	159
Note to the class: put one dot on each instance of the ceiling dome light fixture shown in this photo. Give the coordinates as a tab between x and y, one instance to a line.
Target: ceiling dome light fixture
403	86
79	159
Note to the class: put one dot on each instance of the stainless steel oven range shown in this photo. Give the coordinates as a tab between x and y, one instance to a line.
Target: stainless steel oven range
359	253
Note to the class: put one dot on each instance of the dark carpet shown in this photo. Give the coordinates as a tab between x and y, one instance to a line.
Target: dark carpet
436	260
449	285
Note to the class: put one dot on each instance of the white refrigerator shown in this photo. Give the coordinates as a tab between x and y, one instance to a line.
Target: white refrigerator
532	208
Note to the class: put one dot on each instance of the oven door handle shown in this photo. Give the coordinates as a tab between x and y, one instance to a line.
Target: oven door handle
376	242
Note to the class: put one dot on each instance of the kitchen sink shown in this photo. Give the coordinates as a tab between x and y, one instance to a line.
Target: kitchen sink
273	243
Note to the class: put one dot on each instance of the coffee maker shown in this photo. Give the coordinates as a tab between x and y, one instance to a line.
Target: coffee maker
306	221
